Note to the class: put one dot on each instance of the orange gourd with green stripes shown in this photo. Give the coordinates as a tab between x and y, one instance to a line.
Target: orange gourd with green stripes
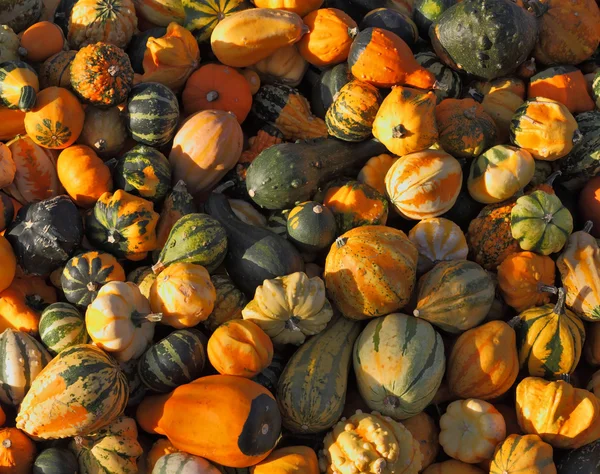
526	454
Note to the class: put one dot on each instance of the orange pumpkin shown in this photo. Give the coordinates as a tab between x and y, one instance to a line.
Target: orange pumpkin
17	452
13	123
7	166
8	262
374	171
253	79
301	7
21	304
289	460
425	431
564	84
41	40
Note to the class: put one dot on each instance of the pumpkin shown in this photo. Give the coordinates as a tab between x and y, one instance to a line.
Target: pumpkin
290	308
301	7
160	448
424	184
202	159
425	431
56	70
22	302
519	279
374	171
286	65
55	461
16	451
229	302
383	59
465	129
288	460
526	454
122	224
160	13
391	378
499	173
10	44
326	86
83	174
350	445
470	430
564	84
252	78
184	462
41	40
405	122
108	21
19	85
365	253
545	128
62	326
85	274
183	294
455	295
252	417
12	123
449	81
589	204
501	105
549	338
119	320
541	223
266	137
101	73
178	203
246	37
104	131
570	417
484	362
217	87
9	264
578	266
7	214
453	467
592	345
311	227
201	16
351	116
92	391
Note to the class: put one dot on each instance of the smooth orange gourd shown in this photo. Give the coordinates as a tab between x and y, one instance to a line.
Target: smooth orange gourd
16	452
8	263
564	84
41	40
289	460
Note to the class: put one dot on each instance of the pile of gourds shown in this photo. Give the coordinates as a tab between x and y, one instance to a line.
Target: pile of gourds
299	236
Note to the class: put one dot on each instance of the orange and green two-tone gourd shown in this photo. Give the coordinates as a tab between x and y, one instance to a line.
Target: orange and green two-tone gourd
526	454
19	85
201	17
565	84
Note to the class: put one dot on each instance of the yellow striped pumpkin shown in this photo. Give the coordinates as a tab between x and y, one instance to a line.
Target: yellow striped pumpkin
526	454
424	184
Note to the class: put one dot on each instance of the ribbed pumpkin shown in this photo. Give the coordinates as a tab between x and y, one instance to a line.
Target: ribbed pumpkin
23	301
89	390
19	85
207	145
424	184
104	131
374	171
201	16
526	454
301	7
449	82
286	65
56	70
229	302
365	253
160	12
455	295
288	460
565	84
484	362
62	326
16	451
143	171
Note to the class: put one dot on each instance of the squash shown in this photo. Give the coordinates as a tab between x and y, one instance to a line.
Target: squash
310	400
391	379
519	279
160	12
311	227
201	16
85	274
16	451
569	419
122	224
405	122
289	460
9	264
247	213
175	360
19	85
465	129
178	203
501	105
470	430
585	458
589	204
541	223
549	338
290	308
246	37
91	392
201	160
526	454
350	444
253	419
7	214
326	86
61	327
415	182
484	362
104	131
578	266
183	294
374	171
564	84
184	462
20	15
160	448
252	78
55	461
107	21
228	304
83	174
453	467
448	80
286	65
143	277
41	40
363	253
455	295
301	7
138	46
424	429
499	173
10	44
13	123
394	20
56	70
8	169
22	302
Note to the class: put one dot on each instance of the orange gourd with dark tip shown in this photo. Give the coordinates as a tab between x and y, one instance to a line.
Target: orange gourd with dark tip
17	452
41	40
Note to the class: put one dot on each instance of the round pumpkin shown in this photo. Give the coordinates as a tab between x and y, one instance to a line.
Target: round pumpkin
9	264
41	40
526	454
104	131
449	81
311	227
56	70
17	451
374	171
62	326
289	460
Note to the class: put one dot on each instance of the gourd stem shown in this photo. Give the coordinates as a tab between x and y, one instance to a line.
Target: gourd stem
146	318
352	32
340	242
552	177
7	443
318	209
547	288
113	70
588	227
440	86
559	308
212	96
100	144
514	321
565	378
180	186
536	7
470	113
223	187
399	131
158	267
93	286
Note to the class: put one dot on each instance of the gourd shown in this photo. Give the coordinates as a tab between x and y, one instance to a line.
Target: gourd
104	131
10	44
296	459
178	203
290	308
61	327
56	70
160	448
394	20
41	40
326	86
19	85
564	84
16	451
501	105
311	227
425	430
581	458
286	65
301	7
55	461
228	304
22	302
374	171
184	462
12	120
9	264
526	454
160	12
143	171
202	16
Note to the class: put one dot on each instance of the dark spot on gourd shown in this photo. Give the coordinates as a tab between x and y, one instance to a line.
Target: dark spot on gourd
262	427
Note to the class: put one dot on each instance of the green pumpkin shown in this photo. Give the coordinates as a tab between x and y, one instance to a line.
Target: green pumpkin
229	303
311	226
392	20
327	86
201	16
55	461
426	12
449	82
143	171
540	223
62	326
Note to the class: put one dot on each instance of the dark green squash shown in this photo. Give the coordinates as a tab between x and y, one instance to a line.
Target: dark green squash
254	254
311	226
45	234
277	222
137	390
62	14
327	86
269	377
426	12
584	460
7	211
137	46
55	461
449	82
394	21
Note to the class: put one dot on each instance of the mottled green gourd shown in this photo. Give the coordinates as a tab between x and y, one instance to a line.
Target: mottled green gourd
62	326
311	226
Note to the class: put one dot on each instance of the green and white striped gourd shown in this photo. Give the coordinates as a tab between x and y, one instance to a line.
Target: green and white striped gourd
62	326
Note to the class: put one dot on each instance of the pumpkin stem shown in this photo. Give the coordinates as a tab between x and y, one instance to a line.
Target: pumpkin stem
139	319
6	443
547	288
514	321
399	131
352	32
536	7
588	227
577	137
559	308
391	401
223	187
552	177
22	51
93	286
416	313
476	95
180	186
318	209
100	144
113	236
158	267
291	324
341	241
113	70
212	96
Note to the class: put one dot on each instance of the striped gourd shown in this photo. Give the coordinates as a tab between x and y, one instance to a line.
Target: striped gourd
175	360
448	79
523	454
177	204
143	171
269	377
56	70
195	238
62	326
88	391
144	278
183	463
201	16
399	363
229	303
23	358
137	390
19	85
153	113
312	389
549	338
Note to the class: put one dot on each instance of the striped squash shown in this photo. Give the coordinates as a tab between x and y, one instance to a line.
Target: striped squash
19	85
549	339
201	16
449	82
177	359
160	12
183	463
137	390
229	303
526	454
56	70
399	363
88	391
143	277
23	358
143	171
62	326
312	389
177	204
269	377
152	113
455	295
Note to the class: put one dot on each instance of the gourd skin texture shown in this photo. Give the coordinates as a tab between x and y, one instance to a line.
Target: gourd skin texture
289	460
565	84
9	264
526	454
425	430
374	171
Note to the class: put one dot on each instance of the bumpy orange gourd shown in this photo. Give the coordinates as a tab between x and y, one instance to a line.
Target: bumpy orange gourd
17	452
289	460
526	454
41	40
21	304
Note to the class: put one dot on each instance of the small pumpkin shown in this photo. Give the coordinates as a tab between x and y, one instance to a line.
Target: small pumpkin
22	302
104	131
56	70
201	16
17	451
19	85
229	302
41	40
62	326
564	84
425	430
526	454
311	227
286	65
301	7
288	460
374	171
